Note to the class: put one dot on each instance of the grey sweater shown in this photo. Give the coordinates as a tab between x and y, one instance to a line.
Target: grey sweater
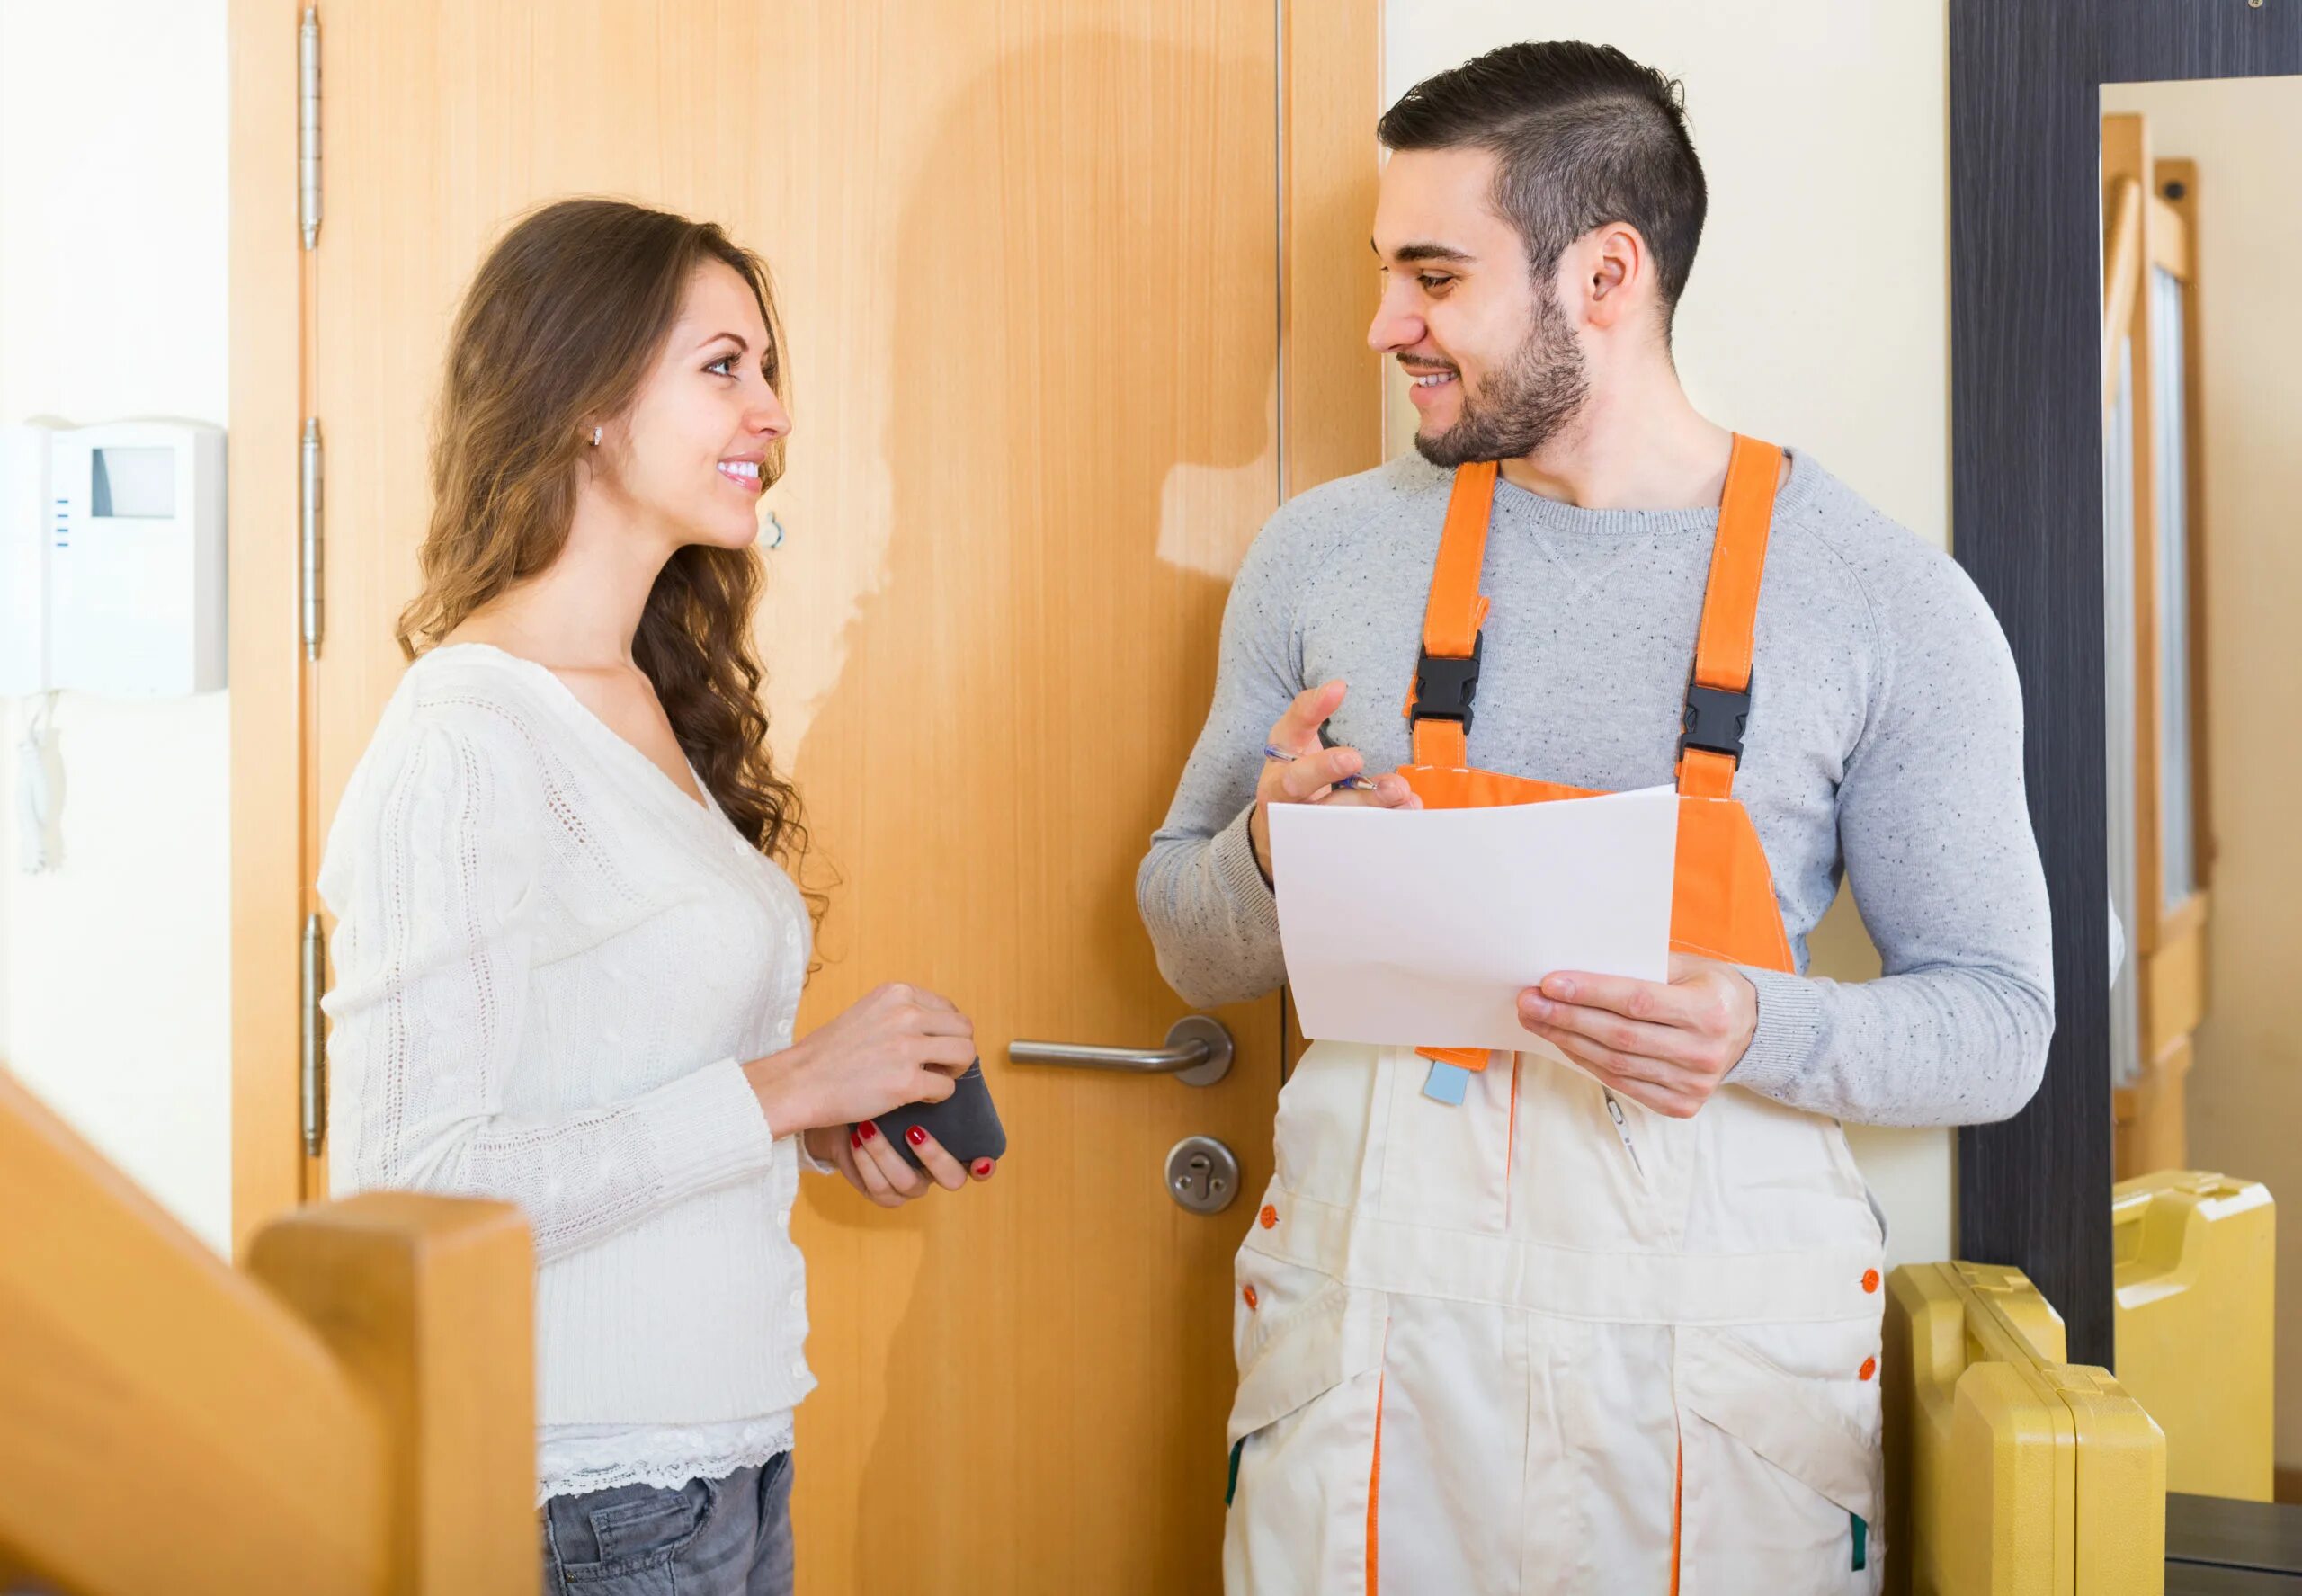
1885	744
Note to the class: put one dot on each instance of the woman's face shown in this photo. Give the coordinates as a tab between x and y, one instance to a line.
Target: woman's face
694	444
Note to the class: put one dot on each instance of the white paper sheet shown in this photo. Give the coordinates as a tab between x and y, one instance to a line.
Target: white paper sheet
1420	928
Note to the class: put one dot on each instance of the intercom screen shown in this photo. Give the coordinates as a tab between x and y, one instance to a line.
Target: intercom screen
133	482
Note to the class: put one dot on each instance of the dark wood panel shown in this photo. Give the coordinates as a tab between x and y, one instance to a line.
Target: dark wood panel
2147	41
2026	522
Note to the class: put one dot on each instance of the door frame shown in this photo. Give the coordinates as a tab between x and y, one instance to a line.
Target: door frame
2026	451
1330	414
270	870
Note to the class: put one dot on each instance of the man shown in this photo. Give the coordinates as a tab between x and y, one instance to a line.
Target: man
1599	1318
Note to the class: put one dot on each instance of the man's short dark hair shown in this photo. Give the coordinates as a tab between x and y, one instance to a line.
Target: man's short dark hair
1583	135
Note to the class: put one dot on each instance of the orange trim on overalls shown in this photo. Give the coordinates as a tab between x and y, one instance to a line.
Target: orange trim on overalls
1678	1511
1723	904
1375	1492
1375	1473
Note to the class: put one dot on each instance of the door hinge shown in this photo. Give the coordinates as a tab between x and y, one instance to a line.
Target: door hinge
307	127
315	1048
310	561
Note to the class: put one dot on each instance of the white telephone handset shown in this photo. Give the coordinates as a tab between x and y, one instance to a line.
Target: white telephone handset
39	794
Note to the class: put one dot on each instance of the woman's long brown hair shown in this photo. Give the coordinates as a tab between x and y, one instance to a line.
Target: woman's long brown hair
563	321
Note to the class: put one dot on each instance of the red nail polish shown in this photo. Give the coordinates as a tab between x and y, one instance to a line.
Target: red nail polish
916	1137
983	1166
854	1135
866	1131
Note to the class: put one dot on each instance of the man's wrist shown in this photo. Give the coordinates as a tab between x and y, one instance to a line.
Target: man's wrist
1786	1033
1747	991
1239	837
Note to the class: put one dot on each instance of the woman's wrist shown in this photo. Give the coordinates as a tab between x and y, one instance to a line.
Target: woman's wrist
820	1156
781	1088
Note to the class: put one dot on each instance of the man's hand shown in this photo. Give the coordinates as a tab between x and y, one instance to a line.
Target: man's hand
1312	775
1666	1045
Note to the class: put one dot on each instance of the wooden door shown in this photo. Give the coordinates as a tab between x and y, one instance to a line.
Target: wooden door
2153	442
1029	262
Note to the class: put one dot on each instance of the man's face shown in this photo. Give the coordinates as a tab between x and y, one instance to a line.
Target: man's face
1495	366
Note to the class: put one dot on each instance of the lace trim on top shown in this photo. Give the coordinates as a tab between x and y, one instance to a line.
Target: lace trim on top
576	1459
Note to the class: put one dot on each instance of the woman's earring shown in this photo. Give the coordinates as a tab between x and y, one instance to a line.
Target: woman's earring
775	527
596	437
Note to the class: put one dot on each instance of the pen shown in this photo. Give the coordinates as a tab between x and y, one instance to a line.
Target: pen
1356	783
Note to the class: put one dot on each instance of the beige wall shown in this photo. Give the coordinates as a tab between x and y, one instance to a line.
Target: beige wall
2245	1089
114	969
1818	312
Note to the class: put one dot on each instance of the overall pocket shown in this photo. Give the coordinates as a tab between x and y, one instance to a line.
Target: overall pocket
1621	1122
1301	1438
1333	1334
1783	1471
1326	1119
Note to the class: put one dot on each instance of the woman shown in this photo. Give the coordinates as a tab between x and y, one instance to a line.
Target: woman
567	957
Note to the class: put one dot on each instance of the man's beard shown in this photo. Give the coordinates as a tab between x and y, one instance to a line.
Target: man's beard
1525	400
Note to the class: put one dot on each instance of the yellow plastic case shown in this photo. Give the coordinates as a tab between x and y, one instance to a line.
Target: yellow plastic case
2009	1472
2196	1266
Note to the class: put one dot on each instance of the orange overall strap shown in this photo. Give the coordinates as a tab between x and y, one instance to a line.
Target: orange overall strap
1730	605
1456	610
1451	652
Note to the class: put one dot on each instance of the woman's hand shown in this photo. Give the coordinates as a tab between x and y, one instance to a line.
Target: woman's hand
1314	775
899	1045
878	1171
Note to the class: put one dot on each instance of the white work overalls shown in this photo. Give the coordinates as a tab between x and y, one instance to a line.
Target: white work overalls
1546	1340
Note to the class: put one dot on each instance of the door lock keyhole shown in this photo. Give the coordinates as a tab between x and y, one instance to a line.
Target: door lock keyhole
1202	1174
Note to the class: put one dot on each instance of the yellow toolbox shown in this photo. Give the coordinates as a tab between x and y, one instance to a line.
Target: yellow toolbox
2009	1472
2196	1260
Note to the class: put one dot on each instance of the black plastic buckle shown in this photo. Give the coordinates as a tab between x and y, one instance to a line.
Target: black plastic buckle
1444	688
1713	720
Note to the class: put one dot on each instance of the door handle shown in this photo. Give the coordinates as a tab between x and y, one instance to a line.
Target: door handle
1198	1053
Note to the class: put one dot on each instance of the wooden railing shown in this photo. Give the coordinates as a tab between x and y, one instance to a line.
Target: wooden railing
352	1412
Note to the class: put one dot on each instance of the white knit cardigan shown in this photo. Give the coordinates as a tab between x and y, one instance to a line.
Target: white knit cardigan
550	965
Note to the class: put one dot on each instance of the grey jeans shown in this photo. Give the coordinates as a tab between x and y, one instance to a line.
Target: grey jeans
708	1538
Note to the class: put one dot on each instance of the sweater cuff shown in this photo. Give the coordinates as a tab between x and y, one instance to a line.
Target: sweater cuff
1231	855
707	1130
808	1160
1789	1027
